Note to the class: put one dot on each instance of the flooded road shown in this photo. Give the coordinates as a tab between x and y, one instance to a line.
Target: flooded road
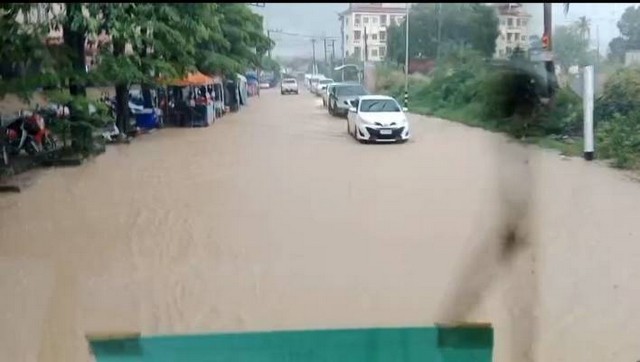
273	218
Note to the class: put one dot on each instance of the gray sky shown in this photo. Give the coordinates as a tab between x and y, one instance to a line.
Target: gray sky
321	18
302	18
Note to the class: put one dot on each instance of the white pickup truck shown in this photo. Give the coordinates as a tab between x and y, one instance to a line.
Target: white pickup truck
288	86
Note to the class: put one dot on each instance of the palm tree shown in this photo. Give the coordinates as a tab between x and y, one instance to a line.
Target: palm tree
584	27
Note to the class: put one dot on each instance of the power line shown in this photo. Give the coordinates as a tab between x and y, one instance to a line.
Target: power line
303	35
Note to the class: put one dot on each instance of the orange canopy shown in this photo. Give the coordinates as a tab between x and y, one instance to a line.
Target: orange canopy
195	79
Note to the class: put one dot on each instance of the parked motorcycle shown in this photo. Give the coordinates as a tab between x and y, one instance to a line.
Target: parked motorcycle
29	133
4	145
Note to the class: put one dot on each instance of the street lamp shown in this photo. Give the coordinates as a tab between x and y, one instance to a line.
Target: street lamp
406	61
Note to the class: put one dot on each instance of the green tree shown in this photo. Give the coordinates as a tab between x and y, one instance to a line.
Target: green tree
245	42
617	49
584	27
462	26
629	26
569	47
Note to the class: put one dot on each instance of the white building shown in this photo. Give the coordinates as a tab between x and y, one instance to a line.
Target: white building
372	20
514	28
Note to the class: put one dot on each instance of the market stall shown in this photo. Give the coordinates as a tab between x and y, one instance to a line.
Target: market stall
190	101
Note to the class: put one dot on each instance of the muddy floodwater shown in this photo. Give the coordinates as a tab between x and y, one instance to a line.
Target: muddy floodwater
273	218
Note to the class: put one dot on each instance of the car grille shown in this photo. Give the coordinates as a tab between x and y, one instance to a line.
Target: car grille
395	133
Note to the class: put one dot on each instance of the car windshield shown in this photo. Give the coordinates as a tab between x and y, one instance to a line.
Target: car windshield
289	81
379	105
350	90
326	81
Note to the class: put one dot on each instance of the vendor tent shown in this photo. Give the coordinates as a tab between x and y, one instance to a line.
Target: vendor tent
192	79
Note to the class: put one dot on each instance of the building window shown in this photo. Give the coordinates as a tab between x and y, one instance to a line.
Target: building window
356	35
508	50
374	52
509	35
383	36
383	52
510	21
356	52
503	21
399	20
357	21
518	22
374	20
374	36
346	39
383	20
346	20
524	22
365	20
523	37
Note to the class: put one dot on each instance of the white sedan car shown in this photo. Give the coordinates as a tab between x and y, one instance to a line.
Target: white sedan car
375	118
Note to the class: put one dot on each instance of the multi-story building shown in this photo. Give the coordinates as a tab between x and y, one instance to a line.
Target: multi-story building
364	28
514	28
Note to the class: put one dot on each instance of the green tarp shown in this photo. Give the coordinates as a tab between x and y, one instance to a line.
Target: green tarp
437	344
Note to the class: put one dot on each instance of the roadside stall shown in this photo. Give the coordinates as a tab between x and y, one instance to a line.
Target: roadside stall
252	84
242	89
218	96
190	101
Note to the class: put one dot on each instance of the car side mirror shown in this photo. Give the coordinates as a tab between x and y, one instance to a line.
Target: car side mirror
405	109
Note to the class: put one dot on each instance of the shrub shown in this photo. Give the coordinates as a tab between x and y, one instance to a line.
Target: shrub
619	140
620	95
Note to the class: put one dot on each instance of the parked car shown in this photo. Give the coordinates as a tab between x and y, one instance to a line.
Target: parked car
340	95
377	118
322	86
289	86
313	82
325	94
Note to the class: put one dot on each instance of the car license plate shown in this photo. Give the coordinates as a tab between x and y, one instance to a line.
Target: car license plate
385	131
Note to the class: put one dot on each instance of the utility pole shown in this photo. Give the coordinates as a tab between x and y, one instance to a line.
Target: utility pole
333	51
587	104
313	43
366	48
598	40
324	41
406	60
439	30
269	37
549	67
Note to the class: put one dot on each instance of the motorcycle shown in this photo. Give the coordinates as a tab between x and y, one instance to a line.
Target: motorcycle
30	133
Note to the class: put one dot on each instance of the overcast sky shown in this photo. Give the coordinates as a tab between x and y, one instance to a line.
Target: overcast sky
320	19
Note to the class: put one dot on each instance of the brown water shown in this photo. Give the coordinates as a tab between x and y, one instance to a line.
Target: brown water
274	219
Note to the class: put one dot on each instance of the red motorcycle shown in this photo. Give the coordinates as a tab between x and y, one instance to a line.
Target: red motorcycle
29	133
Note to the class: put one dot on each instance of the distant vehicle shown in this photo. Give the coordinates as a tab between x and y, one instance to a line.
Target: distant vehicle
325	94
376	118
313	82
289	86
265	85
340	95
322	85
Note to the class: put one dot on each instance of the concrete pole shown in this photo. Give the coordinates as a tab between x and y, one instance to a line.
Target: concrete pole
313	43
587	101
269	37
406	60
324	41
